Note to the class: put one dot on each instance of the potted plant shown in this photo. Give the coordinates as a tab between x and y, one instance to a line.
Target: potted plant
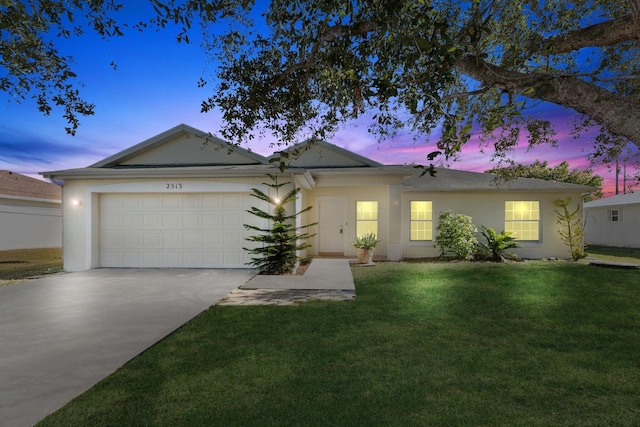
365	246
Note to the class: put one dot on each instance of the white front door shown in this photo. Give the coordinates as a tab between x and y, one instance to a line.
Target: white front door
331	225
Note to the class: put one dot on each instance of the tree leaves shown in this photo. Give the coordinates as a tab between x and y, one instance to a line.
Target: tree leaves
32	64
559	173
409	63
303	68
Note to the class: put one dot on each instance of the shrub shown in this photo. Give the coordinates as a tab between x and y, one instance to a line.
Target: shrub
497	243
456	236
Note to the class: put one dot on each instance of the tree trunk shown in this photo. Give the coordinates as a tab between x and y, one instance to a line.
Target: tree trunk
634	5
618	114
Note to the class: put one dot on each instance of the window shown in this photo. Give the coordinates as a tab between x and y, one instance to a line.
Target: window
613	215
522	218
366	218
421	220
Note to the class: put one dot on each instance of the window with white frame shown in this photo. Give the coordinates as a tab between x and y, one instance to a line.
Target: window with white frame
522	218
613	215
421	220
366	218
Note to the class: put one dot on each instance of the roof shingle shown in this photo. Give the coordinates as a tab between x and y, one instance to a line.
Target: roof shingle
15	184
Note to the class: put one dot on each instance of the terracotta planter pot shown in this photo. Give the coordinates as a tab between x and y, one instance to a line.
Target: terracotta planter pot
365	256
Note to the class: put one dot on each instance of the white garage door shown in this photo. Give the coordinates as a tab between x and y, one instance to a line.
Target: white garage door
175	230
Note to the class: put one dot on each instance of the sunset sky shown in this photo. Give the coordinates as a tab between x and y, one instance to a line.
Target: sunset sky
154	88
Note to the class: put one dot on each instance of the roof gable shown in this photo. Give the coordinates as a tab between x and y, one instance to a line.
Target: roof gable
321	154
15	184
182	145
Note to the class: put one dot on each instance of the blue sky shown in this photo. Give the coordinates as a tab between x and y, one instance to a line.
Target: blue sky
155	88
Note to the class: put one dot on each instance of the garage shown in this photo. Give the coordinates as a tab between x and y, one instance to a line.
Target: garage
197	230
176	200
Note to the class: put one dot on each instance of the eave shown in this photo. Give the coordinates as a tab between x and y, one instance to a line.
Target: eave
31	199
162	172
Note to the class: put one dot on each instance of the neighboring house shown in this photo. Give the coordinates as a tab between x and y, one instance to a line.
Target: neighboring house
172	201
613	221
30	212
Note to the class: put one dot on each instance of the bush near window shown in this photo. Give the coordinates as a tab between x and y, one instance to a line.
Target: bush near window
456	238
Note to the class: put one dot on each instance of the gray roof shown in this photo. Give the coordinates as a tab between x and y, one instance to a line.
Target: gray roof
160	171
457	180
344	163
617	200
15	184
445	179
216	171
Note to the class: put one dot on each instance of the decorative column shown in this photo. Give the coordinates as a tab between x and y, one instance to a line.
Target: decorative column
394	245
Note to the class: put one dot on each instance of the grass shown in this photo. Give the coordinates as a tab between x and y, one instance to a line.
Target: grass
23	263
607	253
442	344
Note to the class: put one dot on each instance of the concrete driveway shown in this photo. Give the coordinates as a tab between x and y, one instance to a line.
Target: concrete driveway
61	334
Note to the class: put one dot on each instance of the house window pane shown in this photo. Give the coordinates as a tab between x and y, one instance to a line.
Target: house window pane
366	218
522	218
613	215
421	220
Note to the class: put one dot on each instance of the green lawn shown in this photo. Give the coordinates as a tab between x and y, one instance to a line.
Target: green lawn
21	263
459	344
438	344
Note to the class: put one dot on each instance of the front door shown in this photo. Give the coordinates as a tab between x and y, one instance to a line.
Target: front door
331	225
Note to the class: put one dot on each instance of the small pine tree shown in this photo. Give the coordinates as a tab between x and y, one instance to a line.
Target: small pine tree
280	242
572	232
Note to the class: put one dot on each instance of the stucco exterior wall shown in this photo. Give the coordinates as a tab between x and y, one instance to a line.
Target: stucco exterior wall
377	193
394	218
26	224
622	233
488	209
82	218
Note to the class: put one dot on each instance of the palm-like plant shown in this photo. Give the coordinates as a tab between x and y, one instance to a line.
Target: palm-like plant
367	241
497	243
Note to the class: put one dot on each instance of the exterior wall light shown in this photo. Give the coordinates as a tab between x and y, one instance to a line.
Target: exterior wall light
76	202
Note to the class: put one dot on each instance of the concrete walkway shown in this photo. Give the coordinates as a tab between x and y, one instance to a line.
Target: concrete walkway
612	264
321	274
61	334
325	279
